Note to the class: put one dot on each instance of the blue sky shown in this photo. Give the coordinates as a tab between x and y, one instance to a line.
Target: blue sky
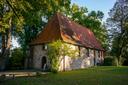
102	5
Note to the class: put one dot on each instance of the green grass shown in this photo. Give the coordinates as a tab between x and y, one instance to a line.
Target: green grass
89	76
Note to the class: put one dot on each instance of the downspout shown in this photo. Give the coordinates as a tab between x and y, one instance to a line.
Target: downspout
94	58
64	63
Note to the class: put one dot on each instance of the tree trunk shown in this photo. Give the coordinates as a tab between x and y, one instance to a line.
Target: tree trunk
6	44
2	60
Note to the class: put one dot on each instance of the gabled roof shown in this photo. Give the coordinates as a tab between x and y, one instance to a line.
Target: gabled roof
60	27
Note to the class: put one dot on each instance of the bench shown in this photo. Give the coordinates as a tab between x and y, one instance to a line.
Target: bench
5	76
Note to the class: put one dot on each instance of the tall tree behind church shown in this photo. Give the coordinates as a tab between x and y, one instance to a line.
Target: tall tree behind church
118	24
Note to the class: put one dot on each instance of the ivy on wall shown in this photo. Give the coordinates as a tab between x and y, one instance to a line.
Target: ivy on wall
59	49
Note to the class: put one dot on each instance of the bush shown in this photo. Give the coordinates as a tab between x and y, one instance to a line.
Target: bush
108	61
58	49
54	71
16	60
113	61
125	63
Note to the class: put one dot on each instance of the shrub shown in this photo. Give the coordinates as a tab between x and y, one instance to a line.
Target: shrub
16	60
58	49
108	61
113	61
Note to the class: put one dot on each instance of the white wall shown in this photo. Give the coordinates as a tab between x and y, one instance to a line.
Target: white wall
82	61
37	56
66	62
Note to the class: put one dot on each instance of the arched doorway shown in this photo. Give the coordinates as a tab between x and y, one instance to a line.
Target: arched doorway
44	60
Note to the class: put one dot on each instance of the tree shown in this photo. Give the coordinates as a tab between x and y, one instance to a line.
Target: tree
11	20
91	20
41	12
19	17
94	22
16	59
118	32
57	51
5	31
26	18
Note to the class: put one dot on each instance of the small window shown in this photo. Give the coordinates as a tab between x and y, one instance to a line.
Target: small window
44	47
99	54
87	53
79	50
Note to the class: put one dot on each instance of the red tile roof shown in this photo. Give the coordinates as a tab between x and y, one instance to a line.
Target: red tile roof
61	28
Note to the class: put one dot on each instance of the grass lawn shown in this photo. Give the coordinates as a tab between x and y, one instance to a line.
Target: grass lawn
89	76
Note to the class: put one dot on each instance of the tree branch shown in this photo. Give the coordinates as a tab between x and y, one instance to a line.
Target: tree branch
12	8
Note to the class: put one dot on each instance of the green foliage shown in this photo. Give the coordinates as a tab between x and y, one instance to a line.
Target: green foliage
121	60
91	20
54	55
113	61
118	30
27	19
96	15
16	60
32	13
57	50
108	61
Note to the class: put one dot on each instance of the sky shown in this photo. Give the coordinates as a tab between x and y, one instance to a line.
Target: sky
15	43
102	5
